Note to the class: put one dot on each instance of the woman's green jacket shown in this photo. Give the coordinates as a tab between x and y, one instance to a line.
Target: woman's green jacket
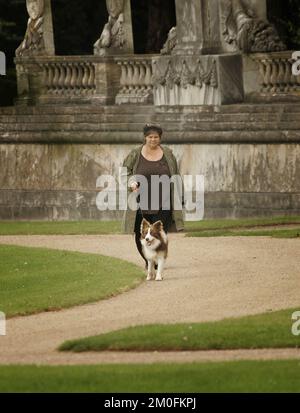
128	176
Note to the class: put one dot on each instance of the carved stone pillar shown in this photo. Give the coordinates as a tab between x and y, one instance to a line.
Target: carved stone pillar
38	38
197	27
116	37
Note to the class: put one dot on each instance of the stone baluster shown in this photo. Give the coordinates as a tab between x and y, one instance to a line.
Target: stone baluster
127	76
85	78
274	75
79	78
61	79
268	75
51	77
141	80
73	77
294	82
130	73
148	77
91	81
136	77
281	73
45	75
56	77
68	76
123	79
287	75
262	72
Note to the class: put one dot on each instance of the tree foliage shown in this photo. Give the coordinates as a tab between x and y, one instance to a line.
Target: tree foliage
285	15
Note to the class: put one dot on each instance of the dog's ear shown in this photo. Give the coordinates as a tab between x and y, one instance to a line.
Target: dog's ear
144	225
158	225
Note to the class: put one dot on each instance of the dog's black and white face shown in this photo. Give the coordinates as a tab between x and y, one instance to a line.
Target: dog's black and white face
151	233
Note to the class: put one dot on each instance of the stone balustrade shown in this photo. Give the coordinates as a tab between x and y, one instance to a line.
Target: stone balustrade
275	72
136	79
155	79
69	78
56	79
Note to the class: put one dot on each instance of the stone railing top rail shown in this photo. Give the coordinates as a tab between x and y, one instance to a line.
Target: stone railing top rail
84	58
139	57
134	57
63	59
286	54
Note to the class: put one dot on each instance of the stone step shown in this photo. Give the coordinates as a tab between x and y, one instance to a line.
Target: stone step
76	110
197	112
90	118
142	119
149	109
170	137
229	117
236	108
138	127
56	127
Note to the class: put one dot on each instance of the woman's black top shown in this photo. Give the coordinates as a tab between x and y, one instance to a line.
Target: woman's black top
147	169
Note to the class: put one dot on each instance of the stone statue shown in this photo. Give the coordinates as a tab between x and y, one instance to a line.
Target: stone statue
244	30
33	42
171	42
112	35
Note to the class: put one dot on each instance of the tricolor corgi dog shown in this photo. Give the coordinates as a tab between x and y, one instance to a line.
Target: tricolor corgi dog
154	242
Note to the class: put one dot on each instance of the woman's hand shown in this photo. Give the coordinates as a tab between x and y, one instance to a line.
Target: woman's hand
134	186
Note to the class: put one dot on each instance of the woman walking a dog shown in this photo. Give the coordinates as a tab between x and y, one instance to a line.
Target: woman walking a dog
147	160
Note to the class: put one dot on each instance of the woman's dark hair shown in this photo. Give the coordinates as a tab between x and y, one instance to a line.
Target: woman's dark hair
149	127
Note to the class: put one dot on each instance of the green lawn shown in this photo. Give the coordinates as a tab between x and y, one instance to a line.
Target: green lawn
208	227
270	330
39	279
244	227
210	224
238	376
275	233
59	227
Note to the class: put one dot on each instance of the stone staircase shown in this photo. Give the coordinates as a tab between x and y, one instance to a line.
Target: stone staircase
242	123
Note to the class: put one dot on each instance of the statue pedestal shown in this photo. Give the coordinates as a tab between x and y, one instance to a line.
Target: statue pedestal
198	80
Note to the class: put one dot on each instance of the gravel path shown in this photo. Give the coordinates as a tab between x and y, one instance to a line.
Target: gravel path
206	279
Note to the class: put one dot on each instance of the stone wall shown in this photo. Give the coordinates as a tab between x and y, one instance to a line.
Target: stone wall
59	181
